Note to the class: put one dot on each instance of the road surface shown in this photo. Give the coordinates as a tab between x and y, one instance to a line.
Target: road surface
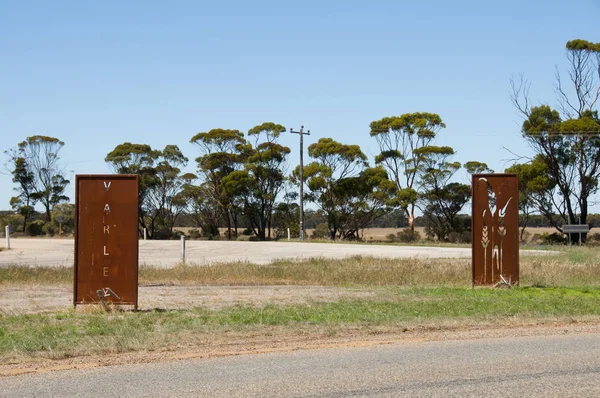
53	252
541	366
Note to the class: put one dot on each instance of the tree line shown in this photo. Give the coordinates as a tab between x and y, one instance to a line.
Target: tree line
241	178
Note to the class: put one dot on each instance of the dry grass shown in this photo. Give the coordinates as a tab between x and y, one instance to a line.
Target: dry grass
363	271
574	266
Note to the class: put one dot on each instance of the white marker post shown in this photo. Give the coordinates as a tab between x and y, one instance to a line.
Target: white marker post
288	234
183	248
7	234
144	233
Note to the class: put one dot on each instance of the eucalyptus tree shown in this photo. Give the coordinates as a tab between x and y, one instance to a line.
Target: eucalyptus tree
286	214
398	138
440	199
128	158
536	191
567	140
475	167
221	154
258	184
38	173
340	182
25	200
201	206
164	199
161	181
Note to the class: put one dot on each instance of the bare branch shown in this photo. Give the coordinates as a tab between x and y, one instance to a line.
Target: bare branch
517	158
519	95
563	99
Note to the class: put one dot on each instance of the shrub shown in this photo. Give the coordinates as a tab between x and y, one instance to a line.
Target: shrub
35	228
408	236
210	231
536	239
194	234
321	231
593	239
176	235
525	236
50	229
554	238
454	237
466	237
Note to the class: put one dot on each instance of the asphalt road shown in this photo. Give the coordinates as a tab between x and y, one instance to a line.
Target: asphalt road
52	252
548	366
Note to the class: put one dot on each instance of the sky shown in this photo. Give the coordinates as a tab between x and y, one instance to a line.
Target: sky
96	74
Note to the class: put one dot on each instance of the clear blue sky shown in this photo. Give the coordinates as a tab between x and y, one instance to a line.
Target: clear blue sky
99	73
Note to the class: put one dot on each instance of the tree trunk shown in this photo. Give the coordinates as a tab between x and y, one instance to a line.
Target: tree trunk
48	215
227	215
235	223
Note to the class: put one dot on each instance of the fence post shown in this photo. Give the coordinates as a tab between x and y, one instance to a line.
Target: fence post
144	233
7	234
183	248
288	234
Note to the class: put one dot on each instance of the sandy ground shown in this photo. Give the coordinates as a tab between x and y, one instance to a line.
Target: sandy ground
59	252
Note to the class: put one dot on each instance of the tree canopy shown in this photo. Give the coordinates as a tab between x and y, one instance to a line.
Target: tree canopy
567	139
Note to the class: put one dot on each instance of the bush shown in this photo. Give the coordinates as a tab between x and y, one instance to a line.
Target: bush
466	237
454	237
536	239
408	236
593	239
194	234
50	229
321	231
405	236
554	238
176	235
210	231
35	228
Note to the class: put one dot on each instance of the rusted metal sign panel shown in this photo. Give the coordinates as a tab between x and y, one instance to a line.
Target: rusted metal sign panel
106	239
495	229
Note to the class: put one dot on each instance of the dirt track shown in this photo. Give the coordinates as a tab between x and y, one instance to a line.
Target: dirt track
44	299
59	252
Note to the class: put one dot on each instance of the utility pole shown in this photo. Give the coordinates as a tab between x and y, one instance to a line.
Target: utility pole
301	133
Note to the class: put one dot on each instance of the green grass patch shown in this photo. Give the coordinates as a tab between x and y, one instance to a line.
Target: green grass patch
96	332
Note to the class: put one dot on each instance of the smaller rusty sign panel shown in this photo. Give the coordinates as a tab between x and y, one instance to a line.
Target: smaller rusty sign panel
495	229
106	239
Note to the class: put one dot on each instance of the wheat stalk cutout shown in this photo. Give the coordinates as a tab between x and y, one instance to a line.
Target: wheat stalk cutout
484	242
502	231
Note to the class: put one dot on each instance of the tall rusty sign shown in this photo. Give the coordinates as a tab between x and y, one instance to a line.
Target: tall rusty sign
106	239
495	226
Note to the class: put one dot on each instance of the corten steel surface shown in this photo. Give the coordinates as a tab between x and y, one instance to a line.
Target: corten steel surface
106	239
495	228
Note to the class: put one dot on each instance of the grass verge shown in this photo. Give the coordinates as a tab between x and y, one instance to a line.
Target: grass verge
578	266
71	333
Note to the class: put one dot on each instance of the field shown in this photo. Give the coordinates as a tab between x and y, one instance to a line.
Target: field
238	307
381	234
